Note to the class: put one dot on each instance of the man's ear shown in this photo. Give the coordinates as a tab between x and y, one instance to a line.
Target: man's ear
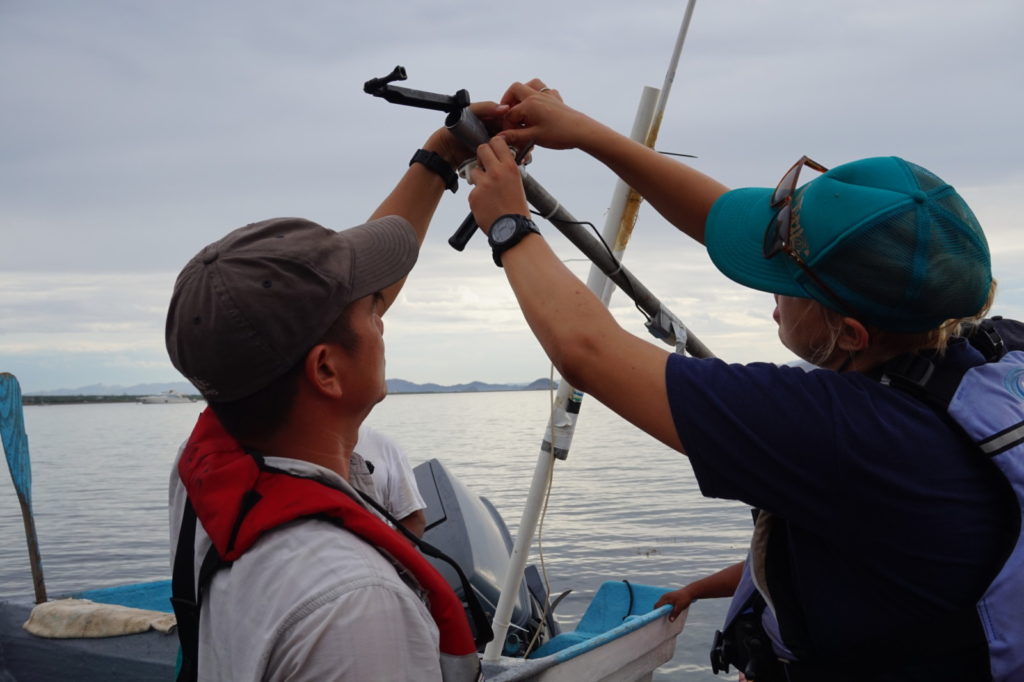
322	370
853	336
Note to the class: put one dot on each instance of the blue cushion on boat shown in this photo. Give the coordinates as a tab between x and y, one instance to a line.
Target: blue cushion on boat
615	603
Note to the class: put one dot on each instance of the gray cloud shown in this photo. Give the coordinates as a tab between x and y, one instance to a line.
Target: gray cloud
136	133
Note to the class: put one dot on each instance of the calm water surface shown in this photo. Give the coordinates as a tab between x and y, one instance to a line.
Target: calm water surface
622	505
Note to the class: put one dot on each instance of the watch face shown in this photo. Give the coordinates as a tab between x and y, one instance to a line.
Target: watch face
503	229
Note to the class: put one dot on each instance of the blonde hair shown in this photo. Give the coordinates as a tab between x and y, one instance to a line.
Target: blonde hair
937	338
900	342
834	326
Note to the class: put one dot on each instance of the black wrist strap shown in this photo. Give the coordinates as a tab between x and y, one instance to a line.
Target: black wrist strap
436	163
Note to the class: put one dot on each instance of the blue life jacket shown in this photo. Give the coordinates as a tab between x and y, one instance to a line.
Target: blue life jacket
987	403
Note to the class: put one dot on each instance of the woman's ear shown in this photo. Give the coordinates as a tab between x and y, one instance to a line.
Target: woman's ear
322	371
853	336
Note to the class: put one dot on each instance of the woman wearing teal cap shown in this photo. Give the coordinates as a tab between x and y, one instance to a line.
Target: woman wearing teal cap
880	526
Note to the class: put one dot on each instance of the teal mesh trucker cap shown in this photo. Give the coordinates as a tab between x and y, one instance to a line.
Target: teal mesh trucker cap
892	240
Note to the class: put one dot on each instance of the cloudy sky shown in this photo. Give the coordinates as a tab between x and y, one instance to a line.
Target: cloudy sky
136	132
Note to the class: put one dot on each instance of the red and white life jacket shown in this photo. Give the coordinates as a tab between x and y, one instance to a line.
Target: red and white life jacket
238	498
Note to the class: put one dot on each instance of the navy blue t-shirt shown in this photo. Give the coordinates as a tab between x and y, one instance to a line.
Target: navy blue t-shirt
893	518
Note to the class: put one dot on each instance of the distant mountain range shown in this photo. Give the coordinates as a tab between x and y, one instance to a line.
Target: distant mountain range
394	386
138	389
403	386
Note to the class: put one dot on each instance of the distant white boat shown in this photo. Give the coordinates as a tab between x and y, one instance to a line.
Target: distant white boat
171	396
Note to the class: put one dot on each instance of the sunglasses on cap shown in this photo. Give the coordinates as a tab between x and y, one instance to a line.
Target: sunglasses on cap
777	234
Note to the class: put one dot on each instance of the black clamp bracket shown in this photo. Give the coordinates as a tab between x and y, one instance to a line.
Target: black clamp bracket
468	129
382	87
462	122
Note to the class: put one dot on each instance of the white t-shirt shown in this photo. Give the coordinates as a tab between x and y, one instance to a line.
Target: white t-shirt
393	479
309	601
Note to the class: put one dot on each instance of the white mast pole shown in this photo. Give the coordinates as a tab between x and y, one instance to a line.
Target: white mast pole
560	427
562	424
622	215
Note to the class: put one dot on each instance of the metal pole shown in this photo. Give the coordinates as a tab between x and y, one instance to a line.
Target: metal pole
631	199
561	426
562	423
663	323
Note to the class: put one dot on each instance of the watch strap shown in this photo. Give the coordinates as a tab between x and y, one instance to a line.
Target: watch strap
436	163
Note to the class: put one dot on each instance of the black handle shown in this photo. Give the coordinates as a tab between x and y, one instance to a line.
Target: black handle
462	235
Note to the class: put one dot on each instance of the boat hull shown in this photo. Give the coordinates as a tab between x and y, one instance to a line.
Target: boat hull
145	657
620	637
607	646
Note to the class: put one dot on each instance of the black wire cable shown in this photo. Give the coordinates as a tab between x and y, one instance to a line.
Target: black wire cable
629	609
618	263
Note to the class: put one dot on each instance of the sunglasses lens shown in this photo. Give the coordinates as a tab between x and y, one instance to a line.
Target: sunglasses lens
787	184
776	236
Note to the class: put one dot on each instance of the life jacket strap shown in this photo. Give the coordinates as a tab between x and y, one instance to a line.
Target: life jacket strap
183	597
186	599
481	623
986	338
1003	441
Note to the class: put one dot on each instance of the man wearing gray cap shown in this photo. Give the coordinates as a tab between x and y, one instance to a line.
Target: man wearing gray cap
280	572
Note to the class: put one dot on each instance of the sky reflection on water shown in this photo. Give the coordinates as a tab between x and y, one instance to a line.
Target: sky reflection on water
623	506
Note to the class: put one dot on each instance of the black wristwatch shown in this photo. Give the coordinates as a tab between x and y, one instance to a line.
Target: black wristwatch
507	231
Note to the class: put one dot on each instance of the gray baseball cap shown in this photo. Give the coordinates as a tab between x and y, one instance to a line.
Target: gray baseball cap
247	307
